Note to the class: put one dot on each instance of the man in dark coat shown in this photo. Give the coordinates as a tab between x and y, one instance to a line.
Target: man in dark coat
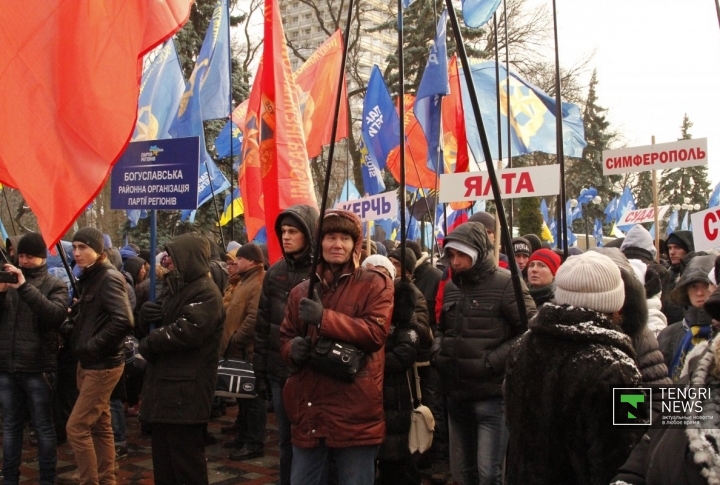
182	359
330	417
680	244
32	311
479	323
295	227
560	377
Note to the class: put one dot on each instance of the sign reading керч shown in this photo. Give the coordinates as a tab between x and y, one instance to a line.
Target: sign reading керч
661	156
157	174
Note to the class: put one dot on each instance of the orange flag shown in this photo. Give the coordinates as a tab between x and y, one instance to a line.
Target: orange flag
417	173
455	145
250	176
69	77
317	81
286	178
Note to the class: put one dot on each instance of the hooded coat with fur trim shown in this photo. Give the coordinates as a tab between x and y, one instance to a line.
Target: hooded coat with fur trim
558	394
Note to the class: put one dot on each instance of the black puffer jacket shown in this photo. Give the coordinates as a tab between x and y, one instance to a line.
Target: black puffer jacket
102	316
427	278
182	354
558	394
479	322
29	323
279	280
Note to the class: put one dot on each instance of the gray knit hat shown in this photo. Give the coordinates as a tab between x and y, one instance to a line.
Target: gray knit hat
590	280
91	237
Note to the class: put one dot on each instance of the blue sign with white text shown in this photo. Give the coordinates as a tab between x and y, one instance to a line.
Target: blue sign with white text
157	174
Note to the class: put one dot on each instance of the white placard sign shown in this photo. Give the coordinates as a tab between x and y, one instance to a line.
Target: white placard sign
642	215
374	207
661	156
706	229
514	183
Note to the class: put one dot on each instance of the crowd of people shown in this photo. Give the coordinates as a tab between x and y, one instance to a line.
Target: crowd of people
518	396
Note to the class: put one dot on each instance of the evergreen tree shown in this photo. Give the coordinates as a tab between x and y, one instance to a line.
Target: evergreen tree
588	171
677	184
529	219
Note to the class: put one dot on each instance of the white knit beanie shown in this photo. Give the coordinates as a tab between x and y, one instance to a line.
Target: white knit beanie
590	280
380	260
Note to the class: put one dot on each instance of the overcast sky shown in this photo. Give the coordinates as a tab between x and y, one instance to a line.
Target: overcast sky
656	60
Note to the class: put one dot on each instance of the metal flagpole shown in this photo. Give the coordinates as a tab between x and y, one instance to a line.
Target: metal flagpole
401	104
230	103
507	98
561	213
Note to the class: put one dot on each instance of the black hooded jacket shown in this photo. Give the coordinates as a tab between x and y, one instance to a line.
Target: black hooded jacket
672	310
182	354
479	322
282	277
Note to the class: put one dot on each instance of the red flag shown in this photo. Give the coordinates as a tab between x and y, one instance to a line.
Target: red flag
69	76
417	173
454	139
250	176
317	80
286	176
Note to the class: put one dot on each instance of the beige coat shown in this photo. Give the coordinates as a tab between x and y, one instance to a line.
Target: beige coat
241	313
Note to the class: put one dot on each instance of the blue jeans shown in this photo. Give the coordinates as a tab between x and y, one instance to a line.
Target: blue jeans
117	416
479	436
355	465
284	435
18	392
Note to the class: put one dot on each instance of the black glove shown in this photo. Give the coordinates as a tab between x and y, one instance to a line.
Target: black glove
435	348
311	311
404	305
300	349
151	312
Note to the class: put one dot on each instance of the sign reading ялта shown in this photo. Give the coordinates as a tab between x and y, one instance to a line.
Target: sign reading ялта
661	156
514	183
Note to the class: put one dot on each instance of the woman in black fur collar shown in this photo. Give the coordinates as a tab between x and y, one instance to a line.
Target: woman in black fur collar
558	388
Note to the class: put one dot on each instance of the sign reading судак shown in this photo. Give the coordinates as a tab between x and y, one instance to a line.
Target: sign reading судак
157	174
642	215
661	156
514	183
372	208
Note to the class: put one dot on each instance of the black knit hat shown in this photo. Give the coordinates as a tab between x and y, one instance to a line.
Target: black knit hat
32	244
410	260
521	246
251	252
292	221
92	237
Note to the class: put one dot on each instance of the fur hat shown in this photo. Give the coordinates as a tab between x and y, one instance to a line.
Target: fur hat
335	221
410	260
251	252
32	244
639	237
485	219
521	246
91	237
590	280
379	260
548	257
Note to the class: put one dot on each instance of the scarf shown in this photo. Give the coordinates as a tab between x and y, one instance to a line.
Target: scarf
697	333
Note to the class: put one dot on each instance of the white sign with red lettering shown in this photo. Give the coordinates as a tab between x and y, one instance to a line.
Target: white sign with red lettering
706	229
642	215
661	156
514	183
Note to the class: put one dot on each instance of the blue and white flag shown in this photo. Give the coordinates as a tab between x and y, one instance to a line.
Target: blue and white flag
380	122
611	210
673	223
597	233
476	13
714	200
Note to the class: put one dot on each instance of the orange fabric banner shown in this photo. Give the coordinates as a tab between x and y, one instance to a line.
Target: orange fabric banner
286	178
455	146
250	176
317	81
69	76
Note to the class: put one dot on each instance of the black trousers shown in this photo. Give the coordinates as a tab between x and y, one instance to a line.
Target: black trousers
178	454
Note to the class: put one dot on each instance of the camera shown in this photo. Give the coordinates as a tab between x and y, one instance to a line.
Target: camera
8	277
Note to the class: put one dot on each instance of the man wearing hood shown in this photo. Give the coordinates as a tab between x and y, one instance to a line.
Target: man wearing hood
294	227
679	244
32	311
330	417
182	359
478	325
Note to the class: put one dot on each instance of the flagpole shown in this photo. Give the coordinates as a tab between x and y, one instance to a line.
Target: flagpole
230	106
507	99
560	149
401	104
68	269
519	298
655	209
331	154
7	203
717	9
499	130
217	213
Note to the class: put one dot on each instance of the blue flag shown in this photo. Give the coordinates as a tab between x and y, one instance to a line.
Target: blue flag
673	223
532	116
380	121
597	233
433	86
161	88
587	195
134	215
544	210
572	214
625	204
222	142
685	226
349	192
552	227
611	210
571	237
207	184
476	13
371	174
652	231
714	200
